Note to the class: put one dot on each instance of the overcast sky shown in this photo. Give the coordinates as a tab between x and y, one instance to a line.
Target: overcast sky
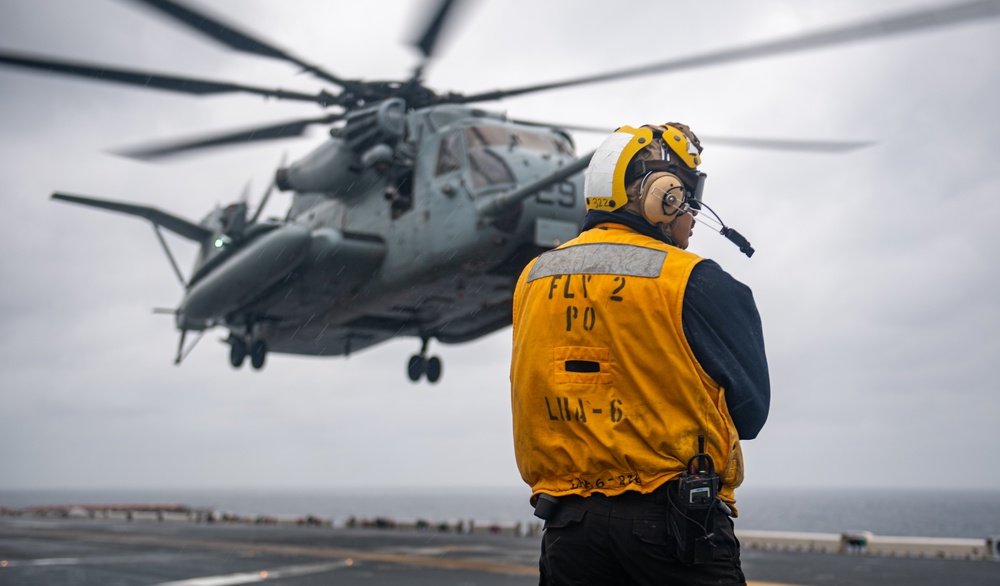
876	272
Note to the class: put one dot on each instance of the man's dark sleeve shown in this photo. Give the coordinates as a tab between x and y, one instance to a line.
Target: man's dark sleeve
723	328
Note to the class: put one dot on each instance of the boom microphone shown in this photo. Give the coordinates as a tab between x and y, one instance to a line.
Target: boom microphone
737	239
730	234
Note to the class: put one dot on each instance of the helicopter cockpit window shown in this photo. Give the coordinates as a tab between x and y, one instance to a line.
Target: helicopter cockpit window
486	147
563	145
533	140
487	167
544	142
449	154
484	136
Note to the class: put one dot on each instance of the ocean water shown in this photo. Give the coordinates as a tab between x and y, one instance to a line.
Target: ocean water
927	513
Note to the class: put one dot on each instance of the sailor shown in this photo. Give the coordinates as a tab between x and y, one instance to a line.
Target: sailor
637	368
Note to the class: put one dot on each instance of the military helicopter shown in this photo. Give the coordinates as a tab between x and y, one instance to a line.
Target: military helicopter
413	219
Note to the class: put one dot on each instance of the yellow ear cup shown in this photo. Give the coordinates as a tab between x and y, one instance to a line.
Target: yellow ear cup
661	198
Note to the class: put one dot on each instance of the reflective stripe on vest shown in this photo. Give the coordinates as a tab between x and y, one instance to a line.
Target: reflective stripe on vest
605	259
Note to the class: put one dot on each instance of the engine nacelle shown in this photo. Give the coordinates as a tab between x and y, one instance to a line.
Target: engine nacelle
367	139
332	168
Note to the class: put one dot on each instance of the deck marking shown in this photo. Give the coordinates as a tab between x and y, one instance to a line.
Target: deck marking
42	562
307	551
251	577
229	580
346	556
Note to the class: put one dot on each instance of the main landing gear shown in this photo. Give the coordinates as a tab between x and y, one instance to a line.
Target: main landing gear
239	349
420	365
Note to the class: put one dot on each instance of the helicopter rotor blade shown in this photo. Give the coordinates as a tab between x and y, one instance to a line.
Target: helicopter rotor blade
186	85
883	27
288	129
229	35
795	145
427	42
432	33
779	144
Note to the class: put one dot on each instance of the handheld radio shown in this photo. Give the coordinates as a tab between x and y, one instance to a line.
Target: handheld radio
699	484
692	515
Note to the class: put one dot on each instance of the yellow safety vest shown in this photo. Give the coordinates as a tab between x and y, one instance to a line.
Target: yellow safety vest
606	394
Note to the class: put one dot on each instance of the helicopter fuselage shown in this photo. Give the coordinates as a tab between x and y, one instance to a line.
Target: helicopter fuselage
399	246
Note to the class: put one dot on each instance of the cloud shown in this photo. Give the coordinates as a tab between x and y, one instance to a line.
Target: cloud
875	271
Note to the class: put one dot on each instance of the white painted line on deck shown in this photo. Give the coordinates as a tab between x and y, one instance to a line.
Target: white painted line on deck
41	562
227	580
253	577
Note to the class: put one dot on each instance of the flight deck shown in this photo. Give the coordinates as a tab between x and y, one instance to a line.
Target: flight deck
36	550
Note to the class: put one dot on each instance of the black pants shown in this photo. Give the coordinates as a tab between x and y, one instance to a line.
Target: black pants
626	539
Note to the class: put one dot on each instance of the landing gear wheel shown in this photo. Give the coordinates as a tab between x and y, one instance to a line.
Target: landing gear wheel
420	365
258	353
433	369
237	352
416	367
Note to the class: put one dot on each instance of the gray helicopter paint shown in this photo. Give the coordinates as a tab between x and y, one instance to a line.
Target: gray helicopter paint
329	166
554	232
345	271
259	265
437	279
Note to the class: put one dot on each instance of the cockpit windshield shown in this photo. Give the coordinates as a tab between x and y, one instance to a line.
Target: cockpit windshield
484	151
546	142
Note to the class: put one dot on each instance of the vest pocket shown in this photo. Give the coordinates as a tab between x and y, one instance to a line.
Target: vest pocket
581	365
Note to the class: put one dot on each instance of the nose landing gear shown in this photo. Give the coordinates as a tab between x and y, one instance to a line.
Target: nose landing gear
419	365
